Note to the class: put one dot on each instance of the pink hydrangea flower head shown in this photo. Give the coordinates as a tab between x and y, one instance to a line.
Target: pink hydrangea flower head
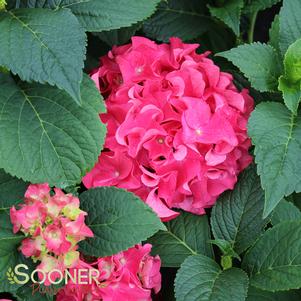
53	225
176	123
129	275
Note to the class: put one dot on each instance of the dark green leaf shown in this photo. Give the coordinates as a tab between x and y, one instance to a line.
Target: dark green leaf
178	18
44	46
186	235
274	262
96	15
255	294
11	190
237	215
290	23
260	63
285	211
45	136
229	13
276	134
118	219
200	278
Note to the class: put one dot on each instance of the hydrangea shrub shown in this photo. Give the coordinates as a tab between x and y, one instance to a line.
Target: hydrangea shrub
150	150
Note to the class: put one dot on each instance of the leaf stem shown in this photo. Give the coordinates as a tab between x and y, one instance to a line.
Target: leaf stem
252	27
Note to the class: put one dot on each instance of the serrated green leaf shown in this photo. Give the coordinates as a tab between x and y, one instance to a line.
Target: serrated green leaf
118	219
290	23
45	136
274	262
229	13
276	134
200	278
44	46
290	82
274	33
260	63
257	5
102	15
237	214
186	235
178	18
255	294
11	190
285	211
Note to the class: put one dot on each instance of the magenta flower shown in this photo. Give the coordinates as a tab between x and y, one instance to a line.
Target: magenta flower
177	133
128	275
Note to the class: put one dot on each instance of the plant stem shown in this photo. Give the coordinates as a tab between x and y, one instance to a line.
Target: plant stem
252	27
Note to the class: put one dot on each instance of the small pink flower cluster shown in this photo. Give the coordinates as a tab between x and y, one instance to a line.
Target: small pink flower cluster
177	126
53	225
129	275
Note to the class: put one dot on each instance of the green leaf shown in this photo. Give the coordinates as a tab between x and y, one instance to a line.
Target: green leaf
45	136
274	33
118	220
274	262
292	62
255	294
290	24
186	235
229	13
102	15
276	134
260	63
178	18
8	251
291	93
44	46
11	190
257	5
237	215
285	211
118	36
289	84
200	278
